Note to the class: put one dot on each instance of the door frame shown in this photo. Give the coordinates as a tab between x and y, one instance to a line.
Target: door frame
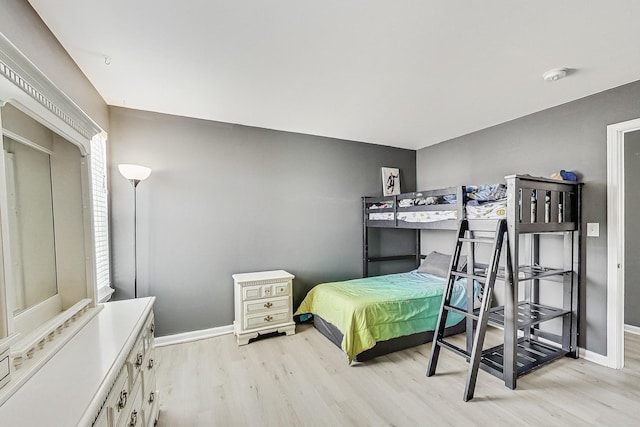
616	240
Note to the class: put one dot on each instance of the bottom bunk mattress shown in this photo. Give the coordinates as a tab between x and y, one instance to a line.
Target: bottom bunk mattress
387	346
376	309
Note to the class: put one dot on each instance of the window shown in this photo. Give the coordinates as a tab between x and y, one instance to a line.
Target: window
101	215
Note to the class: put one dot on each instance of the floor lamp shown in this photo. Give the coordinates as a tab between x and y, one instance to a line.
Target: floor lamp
135	174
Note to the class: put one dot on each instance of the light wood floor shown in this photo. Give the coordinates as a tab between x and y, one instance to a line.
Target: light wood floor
304	380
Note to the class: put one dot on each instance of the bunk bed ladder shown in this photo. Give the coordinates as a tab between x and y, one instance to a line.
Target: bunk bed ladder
474	354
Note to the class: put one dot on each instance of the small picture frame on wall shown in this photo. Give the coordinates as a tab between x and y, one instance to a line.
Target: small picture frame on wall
390	181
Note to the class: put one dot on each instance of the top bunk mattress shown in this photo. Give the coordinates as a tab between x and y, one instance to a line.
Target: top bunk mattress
539	205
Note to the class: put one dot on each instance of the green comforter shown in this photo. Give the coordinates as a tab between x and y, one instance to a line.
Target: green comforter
383	307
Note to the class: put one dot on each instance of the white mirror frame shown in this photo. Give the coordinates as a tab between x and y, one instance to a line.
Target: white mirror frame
26	88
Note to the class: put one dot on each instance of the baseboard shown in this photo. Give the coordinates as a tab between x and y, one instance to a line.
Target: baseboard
192	336
632	329
604	360
594	357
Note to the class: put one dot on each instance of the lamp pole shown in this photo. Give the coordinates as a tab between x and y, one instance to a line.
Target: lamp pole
135	183
134	174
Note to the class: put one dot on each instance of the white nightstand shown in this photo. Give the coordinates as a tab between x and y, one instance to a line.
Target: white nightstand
263	304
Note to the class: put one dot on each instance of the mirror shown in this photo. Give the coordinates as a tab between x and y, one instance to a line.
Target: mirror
30	206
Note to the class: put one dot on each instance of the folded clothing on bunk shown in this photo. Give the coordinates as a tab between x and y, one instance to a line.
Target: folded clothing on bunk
427	216
431	200
478	194
381	216
386	205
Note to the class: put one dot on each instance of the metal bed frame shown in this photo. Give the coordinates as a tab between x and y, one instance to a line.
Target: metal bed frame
535	206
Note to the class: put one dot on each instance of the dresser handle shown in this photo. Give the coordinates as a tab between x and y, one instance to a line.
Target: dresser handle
268	319
150	364
139	359
122	402
268	305
152	328
134	418
152	397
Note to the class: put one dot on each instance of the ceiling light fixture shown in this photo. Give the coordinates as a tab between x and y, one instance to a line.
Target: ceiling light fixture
555	74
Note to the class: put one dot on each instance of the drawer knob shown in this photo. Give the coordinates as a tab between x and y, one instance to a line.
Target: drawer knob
152	397
122	402
268	318
134	418
150	364
152	328
268	305
139	359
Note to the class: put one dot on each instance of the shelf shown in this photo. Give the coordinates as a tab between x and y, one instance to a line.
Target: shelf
534	272
529	314
531	354
526	272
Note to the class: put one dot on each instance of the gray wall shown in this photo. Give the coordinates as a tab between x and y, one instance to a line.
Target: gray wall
632	228
571	136
24	28
226	199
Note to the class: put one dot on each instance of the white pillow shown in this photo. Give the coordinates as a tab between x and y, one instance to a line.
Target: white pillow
437	264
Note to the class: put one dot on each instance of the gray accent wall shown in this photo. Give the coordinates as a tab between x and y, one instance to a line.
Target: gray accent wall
572	137
632	228
225	199
24	28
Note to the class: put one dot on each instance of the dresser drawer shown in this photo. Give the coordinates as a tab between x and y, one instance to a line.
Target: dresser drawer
266	305
119	398
132	414
150	394
135	360
149	330
103	419
5	369
149	373
268	319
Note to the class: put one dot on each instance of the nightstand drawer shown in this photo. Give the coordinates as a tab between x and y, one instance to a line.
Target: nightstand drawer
268	319
257	292
266	305
280	289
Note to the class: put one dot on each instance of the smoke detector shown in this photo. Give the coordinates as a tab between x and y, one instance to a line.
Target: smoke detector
555	74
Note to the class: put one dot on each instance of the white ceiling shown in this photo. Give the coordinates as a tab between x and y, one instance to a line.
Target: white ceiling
407	73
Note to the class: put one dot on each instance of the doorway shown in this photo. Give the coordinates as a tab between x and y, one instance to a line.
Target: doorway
616	136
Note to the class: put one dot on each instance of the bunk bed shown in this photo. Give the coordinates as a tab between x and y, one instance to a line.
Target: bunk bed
532	206
352	299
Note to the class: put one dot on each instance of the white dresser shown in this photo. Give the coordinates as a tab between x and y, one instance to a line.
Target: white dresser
103	376
263	304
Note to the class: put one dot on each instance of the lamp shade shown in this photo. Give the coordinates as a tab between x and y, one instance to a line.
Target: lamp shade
134	172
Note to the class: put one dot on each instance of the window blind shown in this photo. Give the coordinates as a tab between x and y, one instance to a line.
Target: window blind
100	211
